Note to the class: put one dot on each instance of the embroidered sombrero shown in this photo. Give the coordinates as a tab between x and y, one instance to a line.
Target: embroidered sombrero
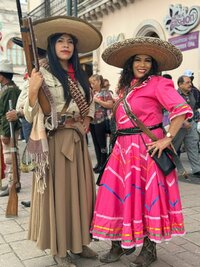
89	38
167	55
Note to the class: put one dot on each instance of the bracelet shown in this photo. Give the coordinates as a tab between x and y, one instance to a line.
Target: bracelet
169	135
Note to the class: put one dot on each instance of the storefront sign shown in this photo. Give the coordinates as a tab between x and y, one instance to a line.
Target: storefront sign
115	38
186	42
182	19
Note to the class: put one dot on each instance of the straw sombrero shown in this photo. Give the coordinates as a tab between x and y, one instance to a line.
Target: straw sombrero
89	38
7	67
167	55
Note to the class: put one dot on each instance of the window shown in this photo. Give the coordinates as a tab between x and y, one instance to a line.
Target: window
15	54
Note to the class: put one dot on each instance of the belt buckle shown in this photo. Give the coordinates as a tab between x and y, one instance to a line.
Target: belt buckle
62	119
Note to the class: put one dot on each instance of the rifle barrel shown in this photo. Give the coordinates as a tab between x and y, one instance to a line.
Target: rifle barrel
19	10
33	43
10	122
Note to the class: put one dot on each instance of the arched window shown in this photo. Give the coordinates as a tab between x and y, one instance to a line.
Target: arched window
15	54
150	28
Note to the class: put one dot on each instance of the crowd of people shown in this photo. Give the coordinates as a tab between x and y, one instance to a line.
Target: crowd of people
144	203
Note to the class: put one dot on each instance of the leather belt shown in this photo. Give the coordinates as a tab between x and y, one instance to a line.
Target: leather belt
64	119
136	130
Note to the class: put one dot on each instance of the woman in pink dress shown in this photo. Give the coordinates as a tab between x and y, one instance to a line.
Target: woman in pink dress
137	205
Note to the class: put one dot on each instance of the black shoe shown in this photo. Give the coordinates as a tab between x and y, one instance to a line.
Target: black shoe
197	174
5	193
115	253
185	176
26	204
147	255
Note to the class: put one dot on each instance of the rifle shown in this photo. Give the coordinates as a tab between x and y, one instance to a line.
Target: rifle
31	55
12	206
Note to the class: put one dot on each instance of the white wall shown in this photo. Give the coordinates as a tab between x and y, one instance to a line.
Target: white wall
129	19
126	20
9	27
33	4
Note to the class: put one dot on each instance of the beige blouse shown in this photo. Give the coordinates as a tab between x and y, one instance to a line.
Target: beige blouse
56	90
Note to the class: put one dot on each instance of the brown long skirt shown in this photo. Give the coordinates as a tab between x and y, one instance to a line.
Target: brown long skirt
60	218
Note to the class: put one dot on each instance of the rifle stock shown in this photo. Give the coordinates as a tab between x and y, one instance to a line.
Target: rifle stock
12	206
31	55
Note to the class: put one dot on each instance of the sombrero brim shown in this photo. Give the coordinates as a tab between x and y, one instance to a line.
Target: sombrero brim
18	41
9	72
89	38
167	56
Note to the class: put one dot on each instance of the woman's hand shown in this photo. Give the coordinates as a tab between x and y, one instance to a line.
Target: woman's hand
158	146
161	144
96	99
35	82
106	104
186	125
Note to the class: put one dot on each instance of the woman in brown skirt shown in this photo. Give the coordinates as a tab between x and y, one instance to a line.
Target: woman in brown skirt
63	192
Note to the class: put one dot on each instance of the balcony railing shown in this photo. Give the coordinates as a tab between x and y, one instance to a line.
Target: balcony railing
52	8
91	10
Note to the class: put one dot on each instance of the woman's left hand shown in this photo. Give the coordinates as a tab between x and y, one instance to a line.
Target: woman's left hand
158	146
96	99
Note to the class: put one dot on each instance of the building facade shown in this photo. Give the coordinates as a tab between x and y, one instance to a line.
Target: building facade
177	21
9	28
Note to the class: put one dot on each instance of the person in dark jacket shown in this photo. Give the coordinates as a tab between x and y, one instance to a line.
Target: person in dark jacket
188	134
9	91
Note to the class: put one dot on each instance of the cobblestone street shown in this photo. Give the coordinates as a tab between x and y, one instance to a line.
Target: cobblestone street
17	251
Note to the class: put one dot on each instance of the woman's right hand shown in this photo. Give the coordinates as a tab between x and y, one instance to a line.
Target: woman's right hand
35	82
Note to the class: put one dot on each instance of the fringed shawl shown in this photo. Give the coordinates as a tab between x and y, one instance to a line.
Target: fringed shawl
38	147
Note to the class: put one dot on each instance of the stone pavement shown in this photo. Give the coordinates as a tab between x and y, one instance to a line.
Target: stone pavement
17	251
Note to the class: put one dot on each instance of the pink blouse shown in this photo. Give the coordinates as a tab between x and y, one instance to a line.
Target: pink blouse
148	100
